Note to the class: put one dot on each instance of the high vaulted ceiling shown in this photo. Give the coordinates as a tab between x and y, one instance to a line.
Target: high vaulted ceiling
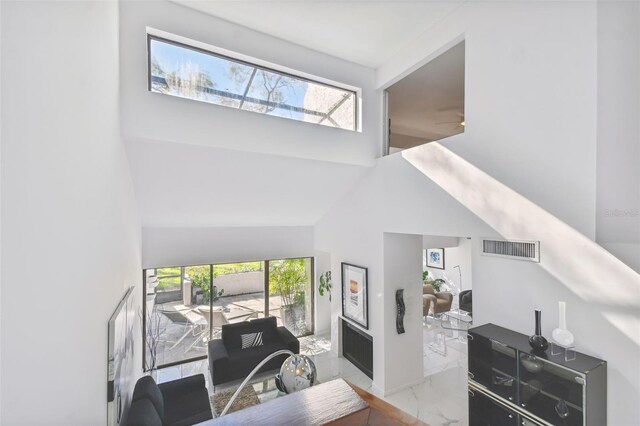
366	32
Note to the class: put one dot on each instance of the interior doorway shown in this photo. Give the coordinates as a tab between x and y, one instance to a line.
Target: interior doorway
428	104
447	301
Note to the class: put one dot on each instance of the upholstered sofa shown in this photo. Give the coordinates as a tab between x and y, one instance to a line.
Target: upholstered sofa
180	402
438	302
229	361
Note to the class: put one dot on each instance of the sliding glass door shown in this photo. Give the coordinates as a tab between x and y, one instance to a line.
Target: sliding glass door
176	318
241	290
291	294
186	306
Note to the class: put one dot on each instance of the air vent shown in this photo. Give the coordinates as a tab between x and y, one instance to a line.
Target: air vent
521	250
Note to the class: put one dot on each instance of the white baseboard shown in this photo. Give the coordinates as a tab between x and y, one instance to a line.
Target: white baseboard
402	387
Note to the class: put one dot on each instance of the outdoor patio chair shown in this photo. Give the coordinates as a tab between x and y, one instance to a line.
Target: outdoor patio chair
177	317
217	321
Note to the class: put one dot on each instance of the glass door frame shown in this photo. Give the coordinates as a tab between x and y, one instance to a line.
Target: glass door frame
211	278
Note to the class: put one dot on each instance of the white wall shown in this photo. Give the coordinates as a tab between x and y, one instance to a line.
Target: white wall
628	253
392	198
162	247
402	270
618	174
605	323
71	233
437	241
531	113
159	117
0	214
530	97
199	186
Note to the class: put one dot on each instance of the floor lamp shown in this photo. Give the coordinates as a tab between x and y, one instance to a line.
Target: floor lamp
297	371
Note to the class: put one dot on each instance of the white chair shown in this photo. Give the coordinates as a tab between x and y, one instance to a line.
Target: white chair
177	317
214	322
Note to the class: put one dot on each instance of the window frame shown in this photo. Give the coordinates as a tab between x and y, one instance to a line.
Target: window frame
259	65
212	265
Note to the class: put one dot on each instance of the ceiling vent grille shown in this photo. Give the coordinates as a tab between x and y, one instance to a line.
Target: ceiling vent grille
521	250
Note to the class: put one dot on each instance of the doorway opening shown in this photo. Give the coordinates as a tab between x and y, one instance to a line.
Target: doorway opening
447	301
428	104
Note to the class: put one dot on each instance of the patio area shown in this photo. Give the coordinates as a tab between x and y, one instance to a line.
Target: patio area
183	331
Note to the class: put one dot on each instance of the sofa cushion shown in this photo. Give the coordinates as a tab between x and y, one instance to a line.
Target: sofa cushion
146	388
251	340
228	361
188	409
267	326
231	333
143	413
241	360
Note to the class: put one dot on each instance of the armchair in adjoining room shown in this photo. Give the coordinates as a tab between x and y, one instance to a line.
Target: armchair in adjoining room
438	302
465	302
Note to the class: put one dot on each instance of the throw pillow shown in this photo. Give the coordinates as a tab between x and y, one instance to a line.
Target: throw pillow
251	340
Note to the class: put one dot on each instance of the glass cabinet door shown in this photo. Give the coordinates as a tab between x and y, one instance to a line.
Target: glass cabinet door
493	365
483	411
551	392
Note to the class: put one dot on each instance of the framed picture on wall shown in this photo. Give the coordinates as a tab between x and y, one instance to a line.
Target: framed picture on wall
435	258
355	294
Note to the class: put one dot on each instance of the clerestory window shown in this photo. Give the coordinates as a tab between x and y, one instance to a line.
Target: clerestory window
190	72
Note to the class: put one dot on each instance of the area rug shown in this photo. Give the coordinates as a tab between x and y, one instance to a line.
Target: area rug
246	398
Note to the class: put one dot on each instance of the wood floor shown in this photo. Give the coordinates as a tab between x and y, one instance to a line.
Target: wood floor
384	414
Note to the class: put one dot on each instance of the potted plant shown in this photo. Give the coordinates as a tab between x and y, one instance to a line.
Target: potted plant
435	283
287	279
199	277
325	284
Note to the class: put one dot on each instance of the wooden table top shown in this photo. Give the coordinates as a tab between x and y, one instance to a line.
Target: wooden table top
335	403
332	403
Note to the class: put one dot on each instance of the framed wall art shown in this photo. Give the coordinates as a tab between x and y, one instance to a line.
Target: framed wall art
435	258
355	294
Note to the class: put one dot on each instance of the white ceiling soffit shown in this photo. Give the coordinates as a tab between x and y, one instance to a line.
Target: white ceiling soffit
179	185
428	104
366	32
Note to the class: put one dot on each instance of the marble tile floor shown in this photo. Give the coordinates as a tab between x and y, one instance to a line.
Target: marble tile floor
441	400
443	348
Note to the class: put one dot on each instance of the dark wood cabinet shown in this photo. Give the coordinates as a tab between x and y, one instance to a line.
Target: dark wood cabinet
484	411
508	382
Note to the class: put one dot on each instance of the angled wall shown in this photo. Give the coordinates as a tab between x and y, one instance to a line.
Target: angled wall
532	114
530	97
